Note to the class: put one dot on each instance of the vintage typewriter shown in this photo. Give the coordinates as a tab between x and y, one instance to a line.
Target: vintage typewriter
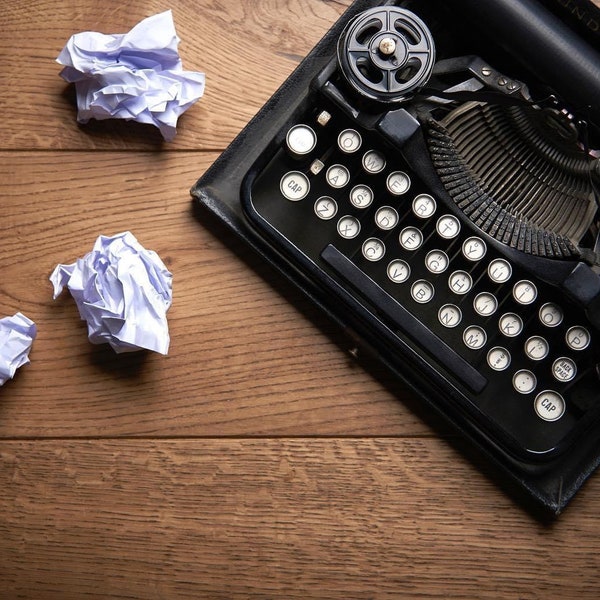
429	176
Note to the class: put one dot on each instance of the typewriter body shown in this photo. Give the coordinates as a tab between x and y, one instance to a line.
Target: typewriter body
429	176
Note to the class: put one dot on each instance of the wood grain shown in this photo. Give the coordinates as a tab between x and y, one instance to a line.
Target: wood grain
258	459
301	518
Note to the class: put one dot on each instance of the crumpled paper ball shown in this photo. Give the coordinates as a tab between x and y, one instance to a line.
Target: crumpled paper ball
122	291
16	337
133	76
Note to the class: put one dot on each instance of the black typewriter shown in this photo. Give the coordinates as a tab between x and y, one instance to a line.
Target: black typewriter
429	176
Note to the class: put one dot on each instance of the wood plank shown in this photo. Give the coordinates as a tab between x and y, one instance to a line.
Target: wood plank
246	48
277	519
248	355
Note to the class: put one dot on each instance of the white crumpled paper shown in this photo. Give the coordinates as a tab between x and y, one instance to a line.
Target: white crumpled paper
16	337
122	291
134	76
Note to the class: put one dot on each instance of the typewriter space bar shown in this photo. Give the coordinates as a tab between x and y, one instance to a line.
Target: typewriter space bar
403	320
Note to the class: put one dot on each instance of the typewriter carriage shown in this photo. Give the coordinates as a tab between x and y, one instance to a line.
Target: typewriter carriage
386	56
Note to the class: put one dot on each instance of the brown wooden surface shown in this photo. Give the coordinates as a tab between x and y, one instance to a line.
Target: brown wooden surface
256	460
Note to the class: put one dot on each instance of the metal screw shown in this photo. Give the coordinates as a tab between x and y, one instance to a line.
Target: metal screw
387	46
486	71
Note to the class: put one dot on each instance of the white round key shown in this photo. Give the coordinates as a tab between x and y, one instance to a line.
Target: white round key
386	218
448	227
437	261
460	282
578	338
422	291
474	337
536	347
361	196
499	270
524	292
337	176
326	208
373	162
510	324
424	206
349	141
498	358
449	315
549	405
398	271
398	183
373	249
294	186
474	248
564	369
411	238
348	227
301	139
485	304
550	314
524	381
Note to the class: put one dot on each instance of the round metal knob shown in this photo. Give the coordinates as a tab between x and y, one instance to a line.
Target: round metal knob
387	46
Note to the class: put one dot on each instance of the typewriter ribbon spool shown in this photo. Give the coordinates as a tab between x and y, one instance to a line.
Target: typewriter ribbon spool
386	54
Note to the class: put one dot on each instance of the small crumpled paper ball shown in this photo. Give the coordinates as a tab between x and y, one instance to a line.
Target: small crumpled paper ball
122	291
16	337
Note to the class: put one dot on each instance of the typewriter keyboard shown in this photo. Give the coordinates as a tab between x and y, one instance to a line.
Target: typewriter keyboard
340	200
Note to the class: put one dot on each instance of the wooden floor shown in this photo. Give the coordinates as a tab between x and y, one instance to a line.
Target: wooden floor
256	460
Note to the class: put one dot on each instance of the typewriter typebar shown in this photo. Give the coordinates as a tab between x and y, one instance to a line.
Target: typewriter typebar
444	202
